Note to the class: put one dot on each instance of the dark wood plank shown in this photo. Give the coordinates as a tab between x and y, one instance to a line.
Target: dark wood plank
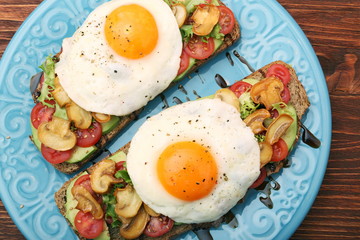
333	28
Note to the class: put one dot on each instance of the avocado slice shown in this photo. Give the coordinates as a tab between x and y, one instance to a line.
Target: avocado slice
110	125
81	153
60	112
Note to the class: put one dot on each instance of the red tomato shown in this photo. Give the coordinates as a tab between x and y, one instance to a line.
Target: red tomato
88	137
158	226
240	87
280	151
84	181
198	49
274	113
87	226
119	166
226	19
41	113
184	62
260	179
279	71
285	95
55	156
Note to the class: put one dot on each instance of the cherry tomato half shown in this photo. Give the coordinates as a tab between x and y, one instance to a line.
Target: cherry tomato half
84	181
260	179
240	87
280	151
119	166
184	62
198	49
54	156
41	113
88	137
226	19
87	225
279	71
158	226
285	95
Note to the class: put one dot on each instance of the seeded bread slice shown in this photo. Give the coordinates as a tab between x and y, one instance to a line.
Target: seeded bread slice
298	99
69	168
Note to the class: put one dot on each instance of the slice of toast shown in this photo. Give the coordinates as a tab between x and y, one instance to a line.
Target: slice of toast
298	99
60	200
229	39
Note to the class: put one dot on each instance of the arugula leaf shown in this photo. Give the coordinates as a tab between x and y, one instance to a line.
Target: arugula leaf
260	137
124	175
186	32
110	201
191	5
215	33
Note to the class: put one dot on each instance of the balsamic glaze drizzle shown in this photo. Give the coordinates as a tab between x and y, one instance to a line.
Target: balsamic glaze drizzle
228	56
220	81
163	99
203	234
266	189
177	100
243	60
309	138
196	94
182	89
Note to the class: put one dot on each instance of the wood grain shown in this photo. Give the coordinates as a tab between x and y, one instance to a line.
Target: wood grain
333	28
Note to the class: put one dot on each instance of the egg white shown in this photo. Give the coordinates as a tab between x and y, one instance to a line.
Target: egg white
210	122
99	80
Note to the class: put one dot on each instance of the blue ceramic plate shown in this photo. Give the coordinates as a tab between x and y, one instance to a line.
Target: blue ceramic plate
28	183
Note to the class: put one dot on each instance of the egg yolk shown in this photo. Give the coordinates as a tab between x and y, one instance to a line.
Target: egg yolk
187	170
131	31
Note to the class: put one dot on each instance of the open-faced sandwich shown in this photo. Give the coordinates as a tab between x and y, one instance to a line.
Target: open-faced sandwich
124	55
187	166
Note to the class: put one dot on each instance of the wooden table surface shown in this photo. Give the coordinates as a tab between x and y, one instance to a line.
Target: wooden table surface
333	28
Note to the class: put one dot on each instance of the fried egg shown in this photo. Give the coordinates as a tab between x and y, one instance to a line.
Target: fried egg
193	162
125	53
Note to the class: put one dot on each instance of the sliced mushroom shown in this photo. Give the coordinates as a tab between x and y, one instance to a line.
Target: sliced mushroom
59	94
103	176
81	118
277	128
205	18
137	225
86	202
56	134
180	13
127	202
228	96
100	117
256	120
267	92
150	211
125	221
266	152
